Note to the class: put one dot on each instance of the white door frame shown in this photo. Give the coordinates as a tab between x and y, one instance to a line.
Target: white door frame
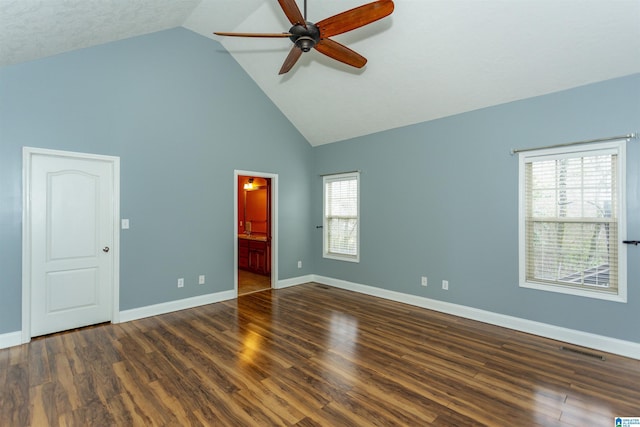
27	155
274	224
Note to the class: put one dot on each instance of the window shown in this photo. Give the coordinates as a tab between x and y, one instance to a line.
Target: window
571	220
341	222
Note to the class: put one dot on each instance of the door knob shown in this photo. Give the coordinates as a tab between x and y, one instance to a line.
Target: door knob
105	249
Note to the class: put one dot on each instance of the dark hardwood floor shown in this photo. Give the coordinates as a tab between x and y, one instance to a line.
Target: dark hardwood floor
309	355
249	282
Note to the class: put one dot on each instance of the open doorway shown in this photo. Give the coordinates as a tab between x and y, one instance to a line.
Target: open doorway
254	233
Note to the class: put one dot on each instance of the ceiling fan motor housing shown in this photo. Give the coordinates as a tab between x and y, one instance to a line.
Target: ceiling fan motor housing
305	38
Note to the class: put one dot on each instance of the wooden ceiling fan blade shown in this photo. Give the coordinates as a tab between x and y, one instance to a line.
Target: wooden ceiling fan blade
220	33
355	18
292	11
340	53
291	59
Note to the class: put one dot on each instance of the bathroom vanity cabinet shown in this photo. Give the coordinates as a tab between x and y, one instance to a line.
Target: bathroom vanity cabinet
253	254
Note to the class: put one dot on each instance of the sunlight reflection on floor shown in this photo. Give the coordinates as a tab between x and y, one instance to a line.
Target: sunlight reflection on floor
343	331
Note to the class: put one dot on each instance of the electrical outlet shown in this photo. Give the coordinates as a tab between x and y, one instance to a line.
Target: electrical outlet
299	264
201	279
181	282
424	280
445	285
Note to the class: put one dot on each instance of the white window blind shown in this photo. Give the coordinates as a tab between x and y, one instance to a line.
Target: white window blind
570	221
341	216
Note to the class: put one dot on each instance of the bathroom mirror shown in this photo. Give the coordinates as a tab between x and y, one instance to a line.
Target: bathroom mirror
256	208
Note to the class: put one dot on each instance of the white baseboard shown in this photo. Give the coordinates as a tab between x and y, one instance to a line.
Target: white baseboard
584	339
181	304
294	281
168	307
10	339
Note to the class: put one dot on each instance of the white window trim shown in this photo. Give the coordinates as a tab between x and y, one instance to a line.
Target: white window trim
325	226
620	148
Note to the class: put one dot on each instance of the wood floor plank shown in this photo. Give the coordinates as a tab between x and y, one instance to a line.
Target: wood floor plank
283	409
38	366
179	407
346	413
403	412
72	343
41	406
15	398
309	356
286	390
139	399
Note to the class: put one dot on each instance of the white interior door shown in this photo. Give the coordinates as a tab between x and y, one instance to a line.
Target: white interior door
72	235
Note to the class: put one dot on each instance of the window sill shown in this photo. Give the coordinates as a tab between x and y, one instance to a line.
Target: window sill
347	258
619	297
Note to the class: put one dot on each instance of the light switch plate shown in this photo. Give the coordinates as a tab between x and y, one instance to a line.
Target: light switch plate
125	224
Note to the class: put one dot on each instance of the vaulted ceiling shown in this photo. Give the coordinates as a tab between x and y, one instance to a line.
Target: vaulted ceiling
429	59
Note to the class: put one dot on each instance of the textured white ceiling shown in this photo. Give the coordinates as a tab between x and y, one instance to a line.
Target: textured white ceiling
32	29
429	59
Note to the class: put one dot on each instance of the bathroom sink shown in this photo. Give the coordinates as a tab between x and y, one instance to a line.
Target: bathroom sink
260	237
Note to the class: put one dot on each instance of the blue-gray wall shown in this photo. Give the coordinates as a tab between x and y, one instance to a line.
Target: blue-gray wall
182	115
440	199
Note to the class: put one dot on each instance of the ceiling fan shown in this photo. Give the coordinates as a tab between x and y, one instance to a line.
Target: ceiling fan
306	35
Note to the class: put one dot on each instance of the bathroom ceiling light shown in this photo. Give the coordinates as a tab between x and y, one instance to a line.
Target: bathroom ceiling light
249	185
